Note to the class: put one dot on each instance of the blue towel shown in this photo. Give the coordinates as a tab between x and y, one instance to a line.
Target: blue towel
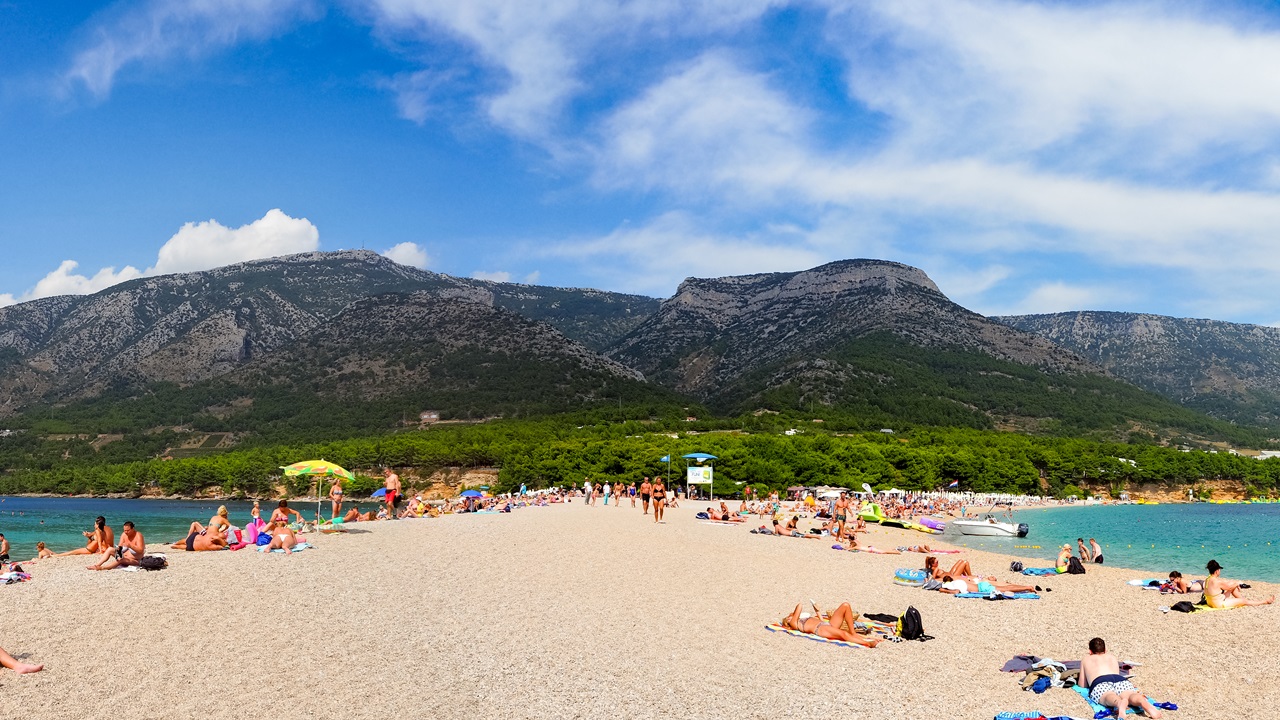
1006	596
1039	571
1102	711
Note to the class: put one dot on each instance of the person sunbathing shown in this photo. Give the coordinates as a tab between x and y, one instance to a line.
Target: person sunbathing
130	550
951	586
1220	593
834	628
282	537
958	569
201	539
1179	584
283	511
916	549
219	522
1064	555
42	552
21	668
1100	672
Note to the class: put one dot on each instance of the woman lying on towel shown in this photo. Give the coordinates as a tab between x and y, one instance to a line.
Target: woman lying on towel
833	629
953	586
281	537
959	569
1179	584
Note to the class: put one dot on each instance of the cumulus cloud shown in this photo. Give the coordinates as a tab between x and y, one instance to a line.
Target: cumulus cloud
159	30
407	253
196	246
498	276
1056	297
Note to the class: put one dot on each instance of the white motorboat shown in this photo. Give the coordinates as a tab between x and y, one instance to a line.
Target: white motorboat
992	526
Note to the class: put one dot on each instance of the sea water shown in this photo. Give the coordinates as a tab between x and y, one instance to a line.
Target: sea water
59	521
1244	538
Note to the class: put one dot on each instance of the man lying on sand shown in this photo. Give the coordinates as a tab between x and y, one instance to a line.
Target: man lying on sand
833	629
201	539
1100	672
1220	593
130	550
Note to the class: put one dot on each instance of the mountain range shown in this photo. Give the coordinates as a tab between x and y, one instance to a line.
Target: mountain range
870	338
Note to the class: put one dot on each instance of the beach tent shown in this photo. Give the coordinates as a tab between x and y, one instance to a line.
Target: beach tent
699	475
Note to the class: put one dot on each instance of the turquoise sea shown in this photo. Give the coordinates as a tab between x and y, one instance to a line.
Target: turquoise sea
58	521
1154	538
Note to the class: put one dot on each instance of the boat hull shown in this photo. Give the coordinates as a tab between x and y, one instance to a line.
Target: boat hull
989	529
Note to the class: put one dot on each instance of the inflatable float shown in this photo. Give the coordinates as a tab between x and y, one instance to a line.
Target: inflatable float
911	577
933	524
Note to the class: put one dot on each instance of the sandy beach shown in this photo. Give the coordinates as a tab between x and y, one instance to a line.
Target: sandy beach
581	612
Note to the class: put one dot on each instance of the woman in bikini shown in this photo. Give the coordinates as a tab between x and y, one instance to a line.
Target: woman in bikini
335	497
659	499
1219	593
97	541
960	569
832	629
201	538
282	537
283	511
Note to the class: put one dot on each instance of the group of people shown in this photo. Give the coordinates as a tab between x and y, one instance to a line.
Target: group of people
655	493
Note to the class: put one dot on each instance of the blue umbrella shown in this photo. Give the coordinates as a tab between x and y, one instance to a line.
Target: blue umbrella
380	492
472	493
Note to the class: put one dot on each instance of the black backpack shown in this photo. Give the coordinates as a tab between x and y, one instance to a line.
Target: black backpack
153	562
1016	566
1183	606
1074	567
910	626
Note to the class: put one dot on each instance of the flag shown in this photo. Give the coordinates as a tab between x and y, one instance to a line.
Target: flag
665	458
954	483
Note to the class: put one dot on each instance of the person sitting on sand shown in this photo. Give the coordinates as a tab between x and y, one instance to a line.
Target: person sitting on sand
1220	593
97	541
201	539
1064	555
1100	672
959	569
1179	584
21	668
832	629
951	586
283	511
42	552
219	523
130	550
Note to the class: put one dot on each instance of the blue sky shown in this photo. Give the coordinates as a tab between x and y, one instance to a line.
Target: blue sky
1031	157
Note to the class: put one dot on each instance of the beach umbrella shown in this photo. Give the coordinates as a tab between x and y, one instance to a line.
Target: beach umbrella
380	492
472	493
317	469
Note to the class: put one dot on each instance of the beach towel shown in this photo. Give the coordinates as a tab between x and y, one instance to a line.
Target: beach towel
296	548
1102	711
1039	571
13	577
1029	716
1000	596
776	627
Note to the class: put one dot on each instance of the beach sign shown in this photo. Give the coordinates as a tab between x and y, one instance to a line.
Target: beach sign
699	475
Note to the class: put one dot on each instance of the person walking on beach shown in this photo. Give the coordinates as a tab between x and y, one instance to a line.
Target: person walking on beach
840	513
130	550
392	486
1100	672
659	498
645	490
1097	551
607	489
631	492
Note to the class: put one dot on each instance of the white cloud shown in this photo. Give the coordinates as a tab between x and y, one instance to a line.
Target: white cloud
159	30
196	246
532	278
499	276
7	299
1056	297
407	253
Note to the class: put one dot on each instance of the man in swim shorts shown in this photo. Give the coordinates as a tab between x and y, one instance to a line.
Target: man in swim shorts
840	512
130	550
1100	672
1097	551
4	549
392	486
645	490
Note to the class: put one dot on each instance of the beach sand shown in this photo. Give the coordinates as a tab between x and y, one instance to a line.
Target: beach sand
580	612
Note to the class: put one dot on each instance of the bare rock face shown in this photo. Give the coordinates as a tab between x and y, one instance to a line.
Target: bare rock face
190	327
714	331
1225	369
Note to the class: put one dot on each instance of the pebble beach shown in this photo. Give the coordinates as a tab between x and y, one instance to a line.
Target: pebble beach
571	611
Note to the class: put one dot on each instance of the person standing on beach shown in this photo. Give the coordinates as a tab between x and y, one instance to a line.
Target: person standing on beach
607	489
631	491
645	490
392	486
840	513
586	491
1097	551
659	498
335	498
4	549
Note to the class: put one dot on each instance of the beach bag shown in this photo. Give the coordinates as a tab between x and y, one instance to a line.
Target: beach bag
1074	567
153	562
703	516
910	626
1183	606
263	539
1016	566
